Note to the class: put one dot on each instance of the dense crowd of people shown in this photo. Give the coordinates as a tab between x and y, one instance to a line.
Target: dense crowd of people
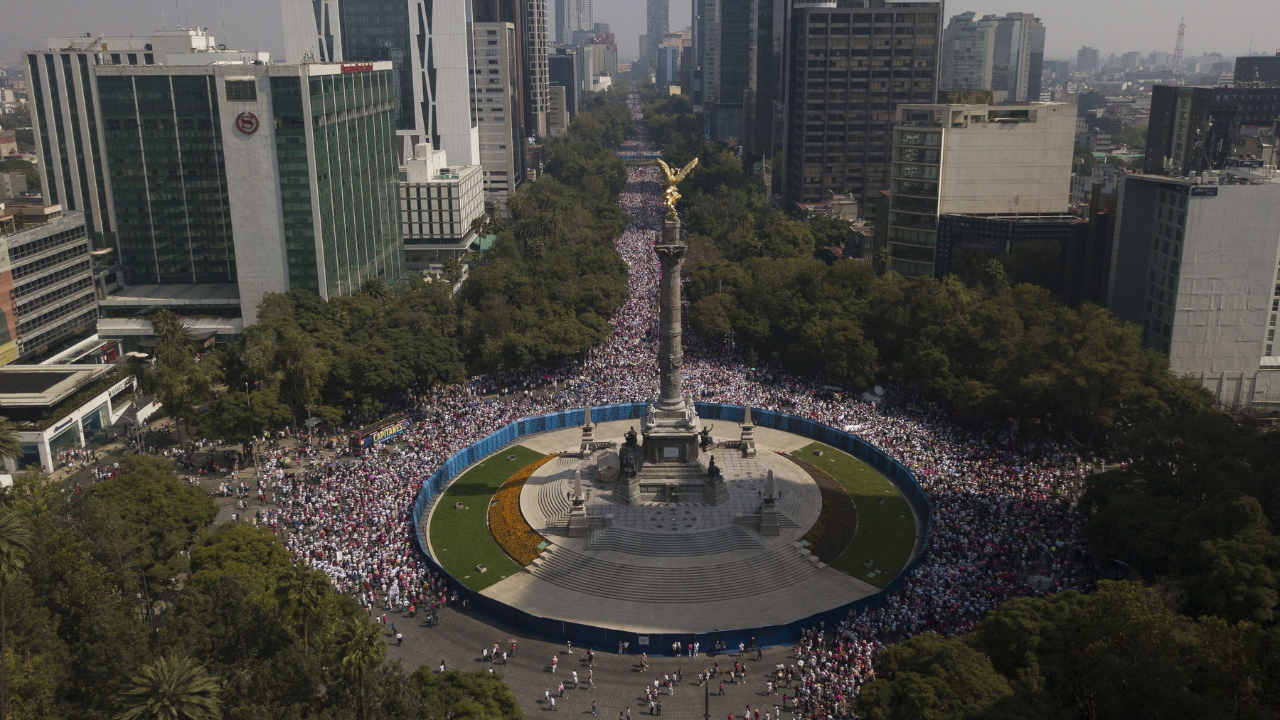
1004	517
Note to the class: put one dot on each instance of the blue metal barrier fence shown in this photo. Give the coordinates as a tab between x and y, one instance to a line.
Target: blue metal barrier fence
592	636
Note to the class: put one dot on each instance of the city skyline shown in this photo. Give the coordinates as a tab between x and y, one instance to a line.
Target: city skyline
1112	27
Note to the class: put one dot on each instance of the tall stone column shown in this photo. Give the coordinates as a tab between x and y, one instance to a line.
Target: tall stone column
670	351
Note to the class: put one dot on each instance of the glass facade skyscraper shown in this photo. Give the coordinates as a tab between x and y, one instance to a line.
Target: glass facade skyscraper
271	177
168	176
429	44
65	118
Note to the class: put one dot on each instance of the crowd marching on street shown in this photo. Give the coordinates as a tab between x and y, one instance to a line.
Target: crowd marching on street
1003	515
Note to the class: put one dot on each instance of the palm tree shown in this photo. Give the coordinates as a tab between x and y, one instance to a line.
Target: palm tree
174	339
15	543
172	689
300	591
10	447
525	231
519	204
376	288
361	649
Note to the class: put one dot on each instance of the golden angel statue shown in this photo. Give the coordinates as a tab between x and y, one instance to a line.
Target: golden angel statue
671	195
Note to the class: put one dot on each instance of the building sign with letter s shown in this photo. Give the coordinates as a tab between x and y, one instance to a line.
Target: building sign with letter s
247	123
357	67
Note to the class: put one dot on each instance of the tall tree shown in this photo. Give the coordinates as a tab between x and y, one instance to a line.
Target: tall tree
15	543
300	592
10	447
360	649
172	689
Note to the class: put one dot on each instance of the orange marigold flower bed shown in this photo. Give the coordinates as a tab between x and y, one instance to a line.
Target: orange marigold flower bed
507	524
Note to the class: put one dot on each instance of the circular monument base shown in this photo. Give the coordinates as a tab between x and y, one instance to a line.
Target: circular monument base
674	567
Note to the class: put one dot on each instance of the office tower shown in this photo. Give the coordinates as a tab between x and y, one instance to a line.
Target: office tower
536	67
968	53
428	42
1087	60
558	117
573	16
762	117
698	50
256	178
1179	137
1258	69
1191	128
670	53
563	70
1035	70
973	160
532	56
1018	56
438	203
1196	267
847	69
1130	60
68	138
728	72
497	100
313	29
46	288
657	22
597	64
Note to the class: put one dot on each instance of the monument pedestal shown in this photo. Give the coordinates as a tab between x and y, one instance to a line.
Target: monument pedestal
578	509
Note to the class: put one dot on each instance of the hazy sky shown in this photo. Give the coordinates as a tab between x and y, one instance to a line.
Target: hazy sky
1226	26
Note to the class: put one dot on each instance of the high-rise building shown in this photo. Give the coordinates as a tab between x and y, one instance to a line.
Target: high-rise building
531	52
968	53
558	118
47	294
537	69
68	137
693	86
1018	56
657	22
231	181
1258	69
973	160
670	54
597	64
563	70
763	116
427	41
728	72
1196	267
573	16
1190	128
497	100
847	69
438	203
1087	60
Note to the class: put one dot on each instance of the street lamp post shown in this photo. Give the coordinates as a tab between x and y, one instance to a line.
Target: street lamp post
253	436
706	696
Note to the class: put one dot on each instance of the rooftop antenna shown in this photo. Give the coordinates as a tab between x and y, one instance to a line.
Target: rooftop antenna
222	10
1177	49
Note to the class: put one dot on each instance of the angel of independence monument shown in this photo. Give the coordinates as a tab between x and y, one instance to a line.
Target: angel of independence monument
666	466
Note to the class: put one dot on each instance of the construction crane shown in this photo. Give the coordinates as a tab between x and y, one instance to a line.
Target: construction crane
1177	49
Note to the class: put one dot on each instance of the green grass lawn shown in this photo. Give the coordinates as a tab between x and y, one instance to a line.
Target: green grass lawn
886	533
460	538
